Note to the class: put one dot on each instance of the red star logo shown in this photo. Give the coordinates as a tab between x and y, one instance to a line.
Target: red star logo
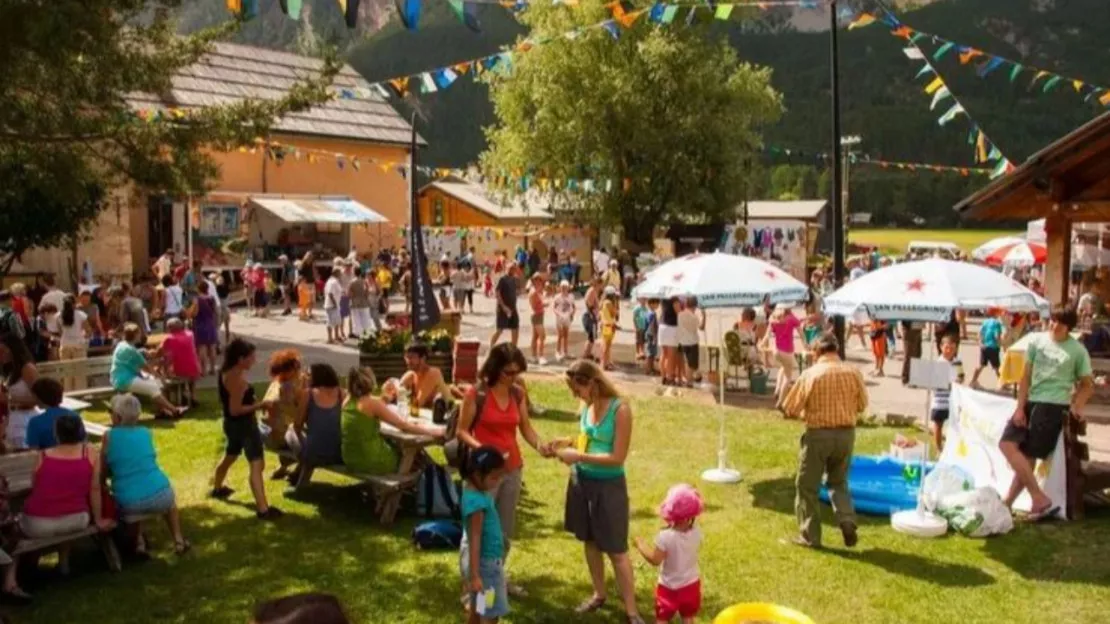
917	285
770	274
677	276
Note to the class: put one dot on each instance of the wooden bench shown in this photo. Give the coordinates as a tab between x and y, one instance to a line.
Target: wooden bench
17	468
93	371
1083	476
387	489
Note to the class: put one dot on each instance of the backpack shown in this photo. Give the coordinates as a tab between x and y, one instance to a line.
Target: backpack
456	450
437	535
436	495
10	323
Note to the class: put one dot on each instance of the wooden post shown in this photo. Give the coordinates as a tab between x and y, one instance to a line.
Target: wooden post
1057	268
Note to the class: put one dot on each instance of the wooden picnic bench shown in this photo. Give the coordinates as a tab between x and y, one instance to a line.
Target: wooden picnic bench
95	372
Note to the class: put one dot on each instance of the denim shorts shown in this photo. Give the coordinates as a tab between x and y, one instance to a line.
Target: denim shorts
158	503
492	573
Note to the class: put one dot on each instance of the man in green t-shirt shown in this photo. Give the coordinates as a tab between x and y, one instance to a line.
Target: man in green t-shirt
1056	364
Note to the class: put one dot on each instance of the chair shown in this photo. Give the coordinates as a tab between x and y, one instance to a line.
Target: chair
738	356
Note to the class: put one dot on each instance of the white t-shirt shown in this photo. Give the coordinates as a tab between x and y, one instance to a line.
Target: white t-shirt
856	273
174	298
680	567
563	304
333	292
74	335
55	297
688	328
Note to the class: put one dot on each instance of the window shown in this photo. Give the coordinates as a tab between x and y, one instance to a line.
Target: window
437	212
219	220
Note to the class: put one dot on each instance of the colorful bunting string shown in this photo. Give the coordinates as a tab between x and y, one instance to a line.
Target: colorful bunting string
856	158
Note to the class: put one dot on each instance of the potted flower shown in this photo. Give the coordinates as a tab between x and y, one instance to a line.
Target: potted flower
384	351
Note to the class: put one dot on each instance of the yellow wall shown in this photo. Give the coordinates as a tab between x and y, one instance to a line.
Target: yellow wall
456	213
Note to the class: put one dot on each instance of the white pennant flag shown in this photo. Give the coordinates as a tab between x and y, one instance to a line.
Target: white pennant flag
941	93
913	53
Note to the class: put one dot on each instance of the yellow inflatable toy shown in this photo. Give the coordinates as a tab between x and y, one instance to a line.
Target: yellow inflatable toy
761	612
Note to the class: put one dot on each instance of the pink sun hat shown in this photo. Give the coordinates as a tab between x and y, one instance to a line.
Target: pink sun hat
681	504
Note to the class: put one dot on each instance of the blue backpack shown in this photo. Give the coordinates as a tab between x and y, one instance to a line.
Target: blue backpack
437	495
437	535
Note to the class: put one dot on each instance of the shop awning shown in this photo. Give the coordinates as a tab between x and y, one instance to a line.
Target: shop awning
317	209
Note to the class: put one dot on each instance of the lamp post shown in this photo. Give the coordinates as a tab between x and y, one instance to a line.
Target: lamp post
839	243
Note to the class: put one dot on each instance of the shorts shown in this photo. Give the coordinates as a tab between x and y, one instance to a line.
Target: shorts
334	319
492	573
50	526
640	339
537	320
148	387
939	416
225	311
1044	422
651	347
344	306
990	355
692	354
668	335
685	601
597	511
589	325
260	300
158	503
507	321
243	438
561	323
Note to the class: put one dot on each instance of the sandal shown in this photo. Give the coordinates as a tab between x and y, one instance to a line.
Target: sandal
222	493
589	606
182	547
1042	515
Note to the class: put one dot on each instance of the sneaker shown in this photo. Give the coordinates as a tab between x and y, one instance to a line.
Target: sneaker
516	591
542	361
222	493
272	513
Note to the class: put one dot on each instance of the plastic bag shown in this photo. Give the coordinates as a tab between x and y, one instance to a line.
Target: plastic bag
944	480
978	513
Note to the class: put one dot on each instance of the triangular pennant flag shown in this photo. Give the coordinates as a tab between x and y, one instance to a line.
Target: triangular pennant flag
349	9
444	77
913	53
1078	85
467	12
691	15
723	11
235	7
1001	169
951	114
981	148
409	10
943	50
903	32
939	96
1052	82
927	69
1105	99
355	164
292	8
655	15
995	153
611	27
380	90
669	14
933	86
1041	74
968	54
991	65
863	19
400	85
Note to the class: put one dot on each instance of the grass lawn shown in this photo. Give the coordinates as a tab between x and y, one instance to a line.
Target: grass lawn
896	241
329	541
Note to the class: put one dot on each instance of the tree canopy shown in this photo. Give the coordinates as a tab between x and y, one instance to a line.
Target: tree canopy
669	114
68	132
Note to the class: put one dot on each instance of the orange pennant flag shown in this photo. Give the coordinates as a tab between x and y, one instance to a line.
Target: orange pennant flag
902	31
628	19
1105	99
964	172
967	55
462	68
864	19
400	84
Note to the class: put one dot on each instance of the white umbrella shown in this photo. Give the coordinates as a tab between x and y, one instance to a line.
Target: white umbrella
929	290
1019	254
982	251
721	280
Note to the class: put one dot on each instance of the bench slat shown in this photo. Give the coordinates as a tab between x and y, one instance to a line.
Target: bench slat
33	544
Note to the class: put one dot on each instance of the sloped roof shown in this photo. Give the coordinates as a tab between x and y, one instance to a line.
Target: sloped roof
532	205
232	72
802	210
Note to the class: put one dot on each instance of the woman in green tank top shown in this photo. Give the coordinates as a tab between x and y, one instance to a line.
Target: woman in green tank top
597	507
364	449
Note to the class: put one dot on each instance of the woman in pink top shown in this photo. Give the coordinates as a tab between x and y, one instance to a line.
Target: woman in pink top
784	325
65	488
179	351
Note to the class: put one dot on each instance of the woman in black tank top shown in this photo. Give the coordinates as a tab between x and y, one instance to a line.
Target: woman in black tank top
239	405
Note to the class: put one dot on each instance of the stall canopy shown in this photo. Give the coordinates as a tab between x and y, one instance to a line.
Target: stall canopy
322	209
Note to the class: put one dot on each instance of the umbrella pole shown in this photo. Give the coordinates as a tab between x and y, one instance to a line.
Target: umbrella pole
722	473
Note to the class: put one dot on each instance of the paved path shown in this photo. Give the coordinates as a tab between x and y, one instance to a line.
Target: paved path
888	396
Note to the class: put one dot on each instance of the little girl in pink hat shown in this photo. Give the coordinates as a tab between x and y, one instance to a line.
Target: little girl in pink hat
676	549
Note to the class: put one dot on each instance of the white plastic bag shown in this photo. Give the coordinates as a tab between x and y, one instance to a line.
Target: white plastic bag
944	480
978	513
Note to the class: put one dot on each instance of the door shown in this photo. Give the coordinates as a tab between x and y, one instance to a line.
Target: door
159	226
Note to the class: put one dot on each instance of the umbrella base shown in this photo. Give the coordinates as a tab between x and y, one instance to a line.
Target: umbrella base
721	475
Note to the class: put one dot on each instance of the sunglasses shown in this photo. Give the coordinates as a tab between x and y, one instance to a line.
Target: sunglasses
510	372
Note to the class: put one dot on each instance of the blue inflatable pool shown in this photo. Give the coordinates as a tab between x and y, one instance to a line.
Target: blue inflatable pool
881	486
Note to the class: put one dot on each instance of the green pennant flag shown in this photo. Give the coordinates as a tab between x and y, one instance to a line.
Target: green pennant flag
1015	72
1051	83
943	50
669	13
916	36
925	70
723	11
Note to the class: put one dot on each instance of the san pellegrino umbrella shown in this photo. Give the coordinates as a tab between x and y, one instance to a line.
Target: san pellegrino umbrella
1016	253
982	251
721	280
929	290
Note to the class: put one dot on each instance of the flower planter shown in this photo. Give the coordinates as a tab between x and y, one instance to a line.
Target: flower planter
386	365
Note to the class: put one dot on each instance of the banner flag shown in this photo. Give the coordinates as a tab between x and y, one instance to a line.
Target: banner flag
425	308
932	87
1015	71
940	95
951	114
723	11
943	50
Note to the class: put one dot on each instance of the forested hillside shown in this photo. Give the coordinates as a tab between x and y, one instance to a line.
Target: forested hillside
882	102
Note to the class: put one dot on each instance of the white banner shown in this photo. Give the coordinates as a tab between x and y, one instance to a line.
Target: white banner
972	434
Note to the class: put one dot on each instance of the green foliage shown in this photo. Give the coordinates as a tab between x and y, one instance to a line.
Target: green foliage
668	114
393	340
68	133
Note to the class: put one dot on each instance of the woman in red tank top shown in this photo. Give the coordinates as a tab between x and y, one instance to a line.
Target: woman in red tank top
503	412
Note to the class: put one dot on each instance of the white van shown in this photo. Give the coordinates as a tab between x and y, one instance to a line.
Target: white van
927	249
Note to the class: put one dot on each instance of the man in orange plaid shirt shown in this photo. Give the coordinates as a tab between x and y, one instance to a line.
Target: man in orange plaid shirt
828	397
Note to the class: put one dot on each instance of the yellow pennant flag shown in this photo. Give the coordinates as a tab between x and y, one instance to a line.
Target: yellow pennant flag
235	6
981	148
865	19
1105	99
932	87
1078	84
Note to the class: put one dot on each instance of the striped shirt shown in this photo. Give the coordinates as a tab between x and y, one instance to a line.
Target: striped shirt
828	395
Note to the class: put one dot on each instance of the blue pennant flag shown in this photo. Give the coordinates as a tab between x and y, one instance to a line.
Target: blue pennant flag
656	14
989	66
467	12
409	10
611	27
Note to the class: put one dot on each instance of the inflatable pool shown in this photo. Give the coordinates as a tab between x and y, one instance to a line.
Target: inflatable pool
881	486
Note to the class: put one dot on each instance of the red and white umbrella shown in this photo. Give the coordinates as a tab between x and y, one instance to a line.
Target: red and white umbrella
1013	252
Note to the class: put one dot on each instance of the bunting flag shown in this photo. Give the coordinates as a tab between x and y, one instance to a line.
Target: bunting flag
863	19
243	9
467	12
951	114
349	9
409	10
291	8
940	95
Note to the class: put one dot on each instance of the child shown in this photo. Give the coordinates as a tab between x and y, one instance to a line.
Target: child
564	308
676	549
878	346
638	315
40	429
537	305
179	351
286	391
304	300
811	330
990	342
938	408
609	313
482	551
651	336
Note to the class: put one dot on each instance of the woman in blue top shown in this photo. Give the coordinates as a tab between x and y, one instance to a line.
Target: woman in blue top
597	494
138	484
130	373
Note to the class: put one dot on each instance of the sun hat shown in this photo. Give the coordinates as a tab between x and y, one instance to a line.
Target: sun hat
564	283
682	503
610	290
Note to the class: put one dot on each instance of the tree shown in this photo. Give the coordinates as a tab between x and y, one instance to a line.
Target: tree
805	187
662	119
69	132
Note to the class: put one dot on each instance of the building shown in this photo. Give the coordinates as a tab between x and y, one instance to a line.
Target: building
455	202
346	152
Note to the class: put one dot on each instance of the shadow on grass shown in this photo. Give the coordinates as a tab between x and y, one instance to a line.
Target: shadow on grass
921	568
1063	552
778	495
